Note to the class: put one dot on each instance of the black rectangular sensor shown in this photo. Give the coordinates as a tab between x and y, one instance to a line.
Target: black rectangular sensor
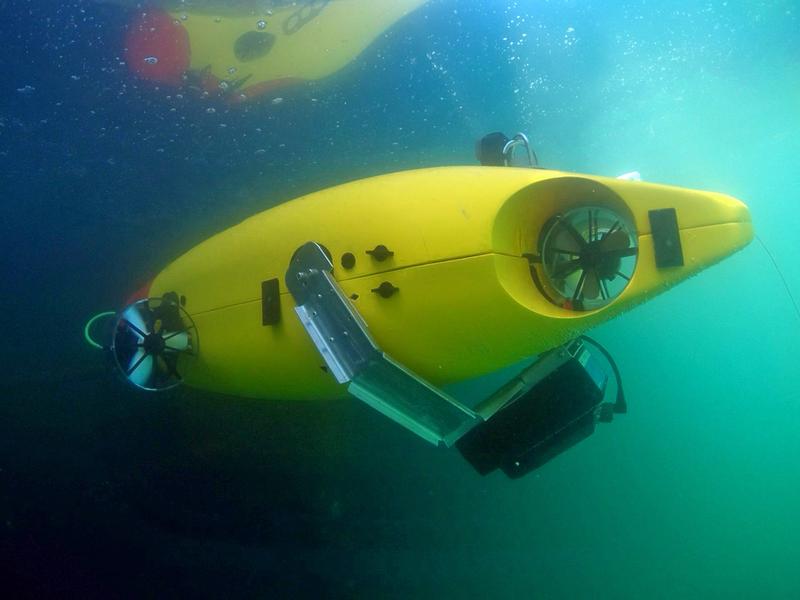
666	237
270	302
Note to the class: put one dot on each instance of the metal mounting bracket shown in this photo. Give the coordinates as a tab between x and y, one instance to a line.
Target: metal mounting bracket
342	338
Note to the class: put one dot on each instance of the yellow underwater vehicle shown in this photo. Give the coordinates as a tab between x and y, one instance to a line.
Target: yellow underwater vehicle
390	287
242	54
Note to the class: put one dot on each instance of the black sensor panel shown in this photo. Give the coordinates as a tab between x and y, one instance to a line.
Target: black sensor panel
666	238
270	302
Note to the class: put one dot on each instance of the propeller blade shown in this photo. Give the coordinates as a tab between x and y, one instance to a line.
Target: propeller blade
135	321
177	340
567	268
141	376
141	368
616	240
621	253
169	365
591	285
611	230
565	243
135	360
574	234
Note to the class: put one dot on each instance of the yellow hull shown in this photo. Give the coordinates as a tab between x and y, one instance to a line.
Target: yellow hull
306	42
466	302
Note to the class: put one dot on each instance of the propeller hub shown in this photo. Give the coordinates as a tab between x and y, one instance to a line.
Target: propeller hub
595	257
153	343
591	256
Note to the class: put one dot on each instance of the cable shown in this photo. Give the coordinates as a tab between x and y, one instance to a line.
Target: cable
620	405
86	333
780	274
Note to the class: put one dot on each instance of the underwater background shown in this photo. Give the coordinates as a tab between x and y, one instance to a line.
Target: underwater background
107	492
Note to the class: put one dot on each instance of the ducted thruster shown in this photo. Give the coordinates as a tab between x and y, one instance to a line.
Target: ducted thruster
587	257
150	337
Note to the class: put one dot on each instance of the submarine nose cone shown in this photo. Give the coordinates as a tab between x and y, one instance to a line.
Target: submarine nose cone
717	228
694	231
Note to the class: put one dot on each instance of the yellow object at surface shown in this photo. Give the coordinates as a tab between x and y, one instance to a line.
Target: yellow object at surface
466	301
307	41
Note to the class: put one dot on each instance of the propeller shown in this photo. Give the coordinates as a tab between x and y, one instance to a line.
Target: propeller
588	257
149	338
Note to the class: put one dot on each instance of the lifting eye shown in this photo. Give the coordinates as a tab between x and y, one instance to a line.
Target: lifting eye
588	256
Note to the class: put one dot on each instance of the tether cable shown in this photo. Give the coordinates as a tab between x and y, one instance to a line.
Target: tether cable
86	330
